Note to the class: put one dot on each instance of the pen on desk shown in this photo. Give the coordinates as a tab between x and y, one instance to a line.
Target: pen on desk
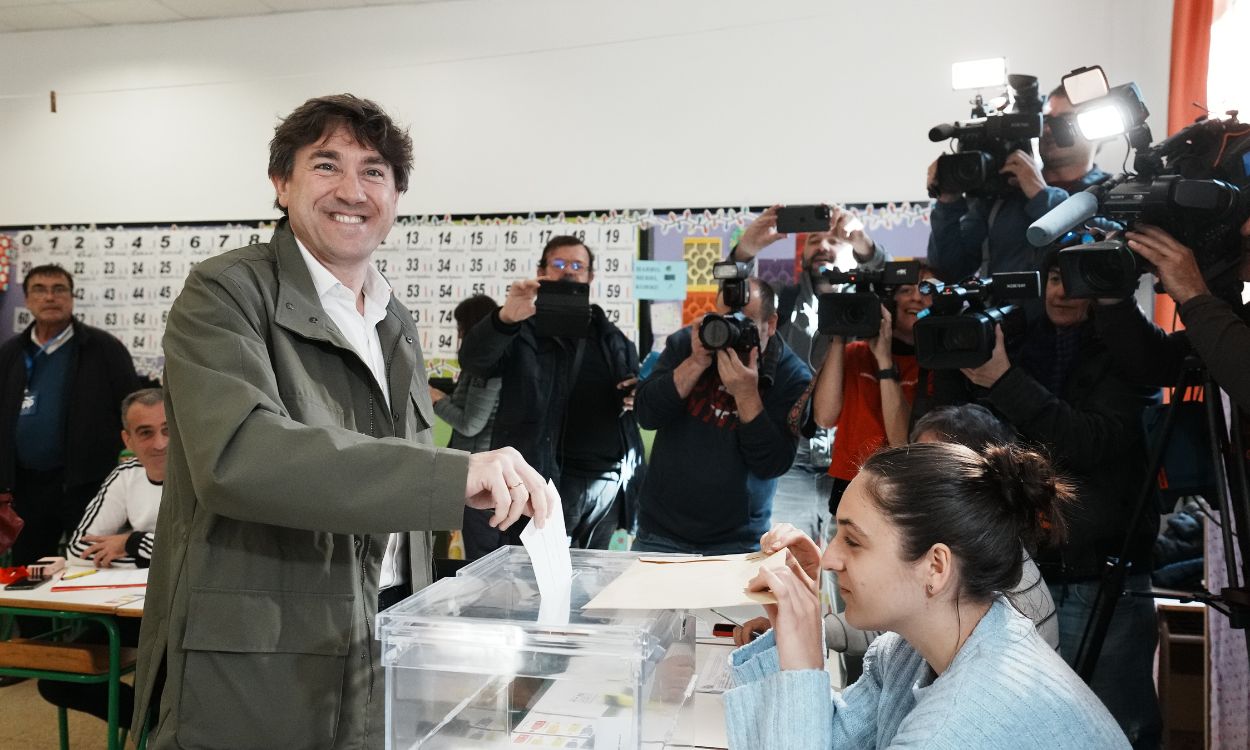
79	574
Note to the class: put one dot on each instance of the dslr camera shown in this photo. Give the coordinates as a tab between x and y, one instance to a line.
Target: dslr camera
983	143
735	330
855	311
958	329
1191	185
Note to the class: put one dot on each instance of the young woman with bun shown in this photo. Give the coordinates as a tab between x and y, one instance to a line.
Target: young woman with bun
928	536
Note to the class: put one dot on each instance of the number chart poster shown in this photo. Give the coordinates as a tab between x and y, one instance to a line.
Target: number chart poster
703	238
126	278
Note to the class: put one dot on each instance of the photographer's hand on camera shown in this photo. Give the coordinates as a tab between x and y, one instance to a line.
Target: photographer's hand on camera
519	304
742	380
882	345
988	374
1025	173
686	374
935	190
758	235
1174	263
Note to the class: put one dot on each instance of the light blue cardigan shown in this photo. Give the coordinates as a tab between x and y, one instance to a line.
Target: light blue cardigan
1006	688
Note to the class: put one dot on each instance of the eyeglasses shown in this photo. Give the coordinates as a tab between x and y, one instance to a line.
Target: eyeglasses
560	264
39	290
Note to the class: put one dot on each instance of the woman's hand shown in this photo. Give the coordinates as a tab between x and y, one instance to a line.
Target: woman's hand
796	620
801	546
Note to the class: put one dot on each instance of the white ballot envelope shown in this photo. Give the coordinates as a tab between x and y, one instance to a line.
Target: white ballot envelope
548	549
688	583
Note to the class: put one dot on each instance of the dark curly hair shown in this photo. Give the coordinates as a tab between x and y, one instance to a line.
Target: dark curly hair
316	118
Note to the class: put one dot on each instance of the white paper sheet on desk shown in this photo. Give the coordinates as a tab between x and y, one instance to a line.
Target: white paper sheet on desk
548	549
689	583
100	578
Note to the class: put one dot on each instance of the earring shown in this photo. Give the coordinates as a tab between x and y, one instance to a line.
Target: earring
929	589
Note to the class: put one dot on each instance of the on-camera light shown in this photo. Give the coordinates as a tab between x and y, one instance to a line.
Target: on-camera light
979	74
1103	121
1085	85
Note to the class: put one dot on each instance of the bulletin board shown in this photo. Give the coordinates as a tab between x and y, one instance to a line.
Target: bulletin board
127	277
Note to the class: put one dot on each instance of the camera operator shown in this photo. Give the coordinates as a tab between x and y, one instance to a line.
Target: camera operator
1063	390
1217	325
866	388
593	452
721	439
976	233
797	303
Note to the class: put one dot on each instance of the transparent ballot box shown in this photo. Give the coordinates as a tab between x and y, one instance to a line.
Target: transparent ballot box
480	661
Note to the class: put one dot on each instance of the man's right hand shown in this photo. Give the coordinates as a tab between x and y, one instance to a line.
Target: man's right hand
519	304
934	190
500	479
758	235
699	354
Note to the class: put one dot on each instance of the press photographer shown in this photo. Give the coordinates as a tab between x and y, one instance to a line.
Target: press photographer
866	388
980	218
552	348
1061	389
718	406
1188	217
826	232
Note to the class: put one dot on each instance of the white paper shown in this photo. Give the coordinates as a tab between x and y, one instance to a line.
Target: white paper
688	583
548	549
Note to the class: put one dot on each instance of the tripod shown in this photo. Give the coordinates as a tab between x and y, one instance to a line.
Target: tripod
1228	464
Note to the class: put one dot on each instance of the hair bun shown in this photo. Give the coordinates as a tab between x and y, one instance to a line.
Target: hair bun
1030	489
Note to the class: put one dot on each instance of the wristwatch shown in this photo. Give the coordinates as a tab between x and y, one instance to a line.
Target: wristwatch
889	373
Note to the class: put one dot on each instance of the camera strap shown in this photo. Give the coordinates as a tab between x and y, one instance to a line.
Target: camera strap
989	232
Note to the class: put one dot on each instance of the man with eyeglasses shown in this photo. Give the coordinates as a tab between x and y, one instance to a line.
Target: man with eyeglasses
979	234
60	384
565	403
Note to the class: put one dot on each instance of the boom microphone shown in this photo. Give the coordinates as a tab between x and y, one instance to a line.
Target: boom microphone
1072	212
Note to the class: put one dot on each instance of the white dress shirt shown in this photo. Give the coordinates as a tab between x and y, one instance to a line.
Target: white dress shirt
361	331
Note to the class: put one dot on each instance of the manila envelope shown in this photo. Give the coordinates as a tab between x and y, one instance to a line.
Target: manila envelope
688	583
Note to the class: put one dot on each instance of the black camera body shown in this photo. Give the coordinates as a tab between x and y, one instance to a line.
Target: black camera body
983	143
857	313
1193	185
1205	215
563	309
733	331
958	330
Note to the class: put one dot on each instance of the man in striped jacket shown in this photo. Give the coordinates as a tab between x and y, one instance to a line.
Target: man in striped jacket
119	523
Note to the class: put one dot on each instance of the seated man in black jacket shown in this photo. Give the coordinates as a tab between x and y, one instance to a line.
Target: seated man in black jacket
594	452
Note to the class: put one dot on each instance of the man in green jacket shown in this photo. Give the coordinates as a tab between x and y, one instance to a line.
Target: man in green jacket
300	450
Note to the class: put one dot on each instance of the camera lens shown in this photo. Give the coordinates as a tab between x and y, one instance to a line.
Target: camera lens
961	338
715	333
1108	271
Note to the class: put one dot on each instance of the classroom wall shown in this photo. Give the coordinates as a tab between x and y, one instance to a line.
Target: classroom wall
533	105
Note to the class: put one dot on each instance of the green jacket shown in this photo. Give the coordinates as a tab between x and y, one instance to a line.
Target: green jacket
286	470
